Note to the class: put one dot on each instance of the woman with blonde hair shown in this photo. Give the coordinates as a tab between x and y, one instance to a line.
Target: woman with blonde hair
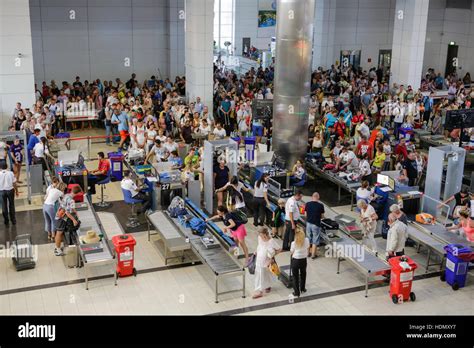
465	225
266	250
299	253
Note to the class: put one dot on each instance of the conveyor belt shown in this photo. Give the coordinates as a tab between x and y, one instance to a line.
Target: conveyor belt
214	228
425	238
368	261
161	223
89	219
440	232
218	259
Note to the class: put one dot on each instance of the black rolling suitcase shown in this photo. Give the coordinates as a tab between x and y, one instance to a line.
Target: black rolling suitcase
285	276
329	224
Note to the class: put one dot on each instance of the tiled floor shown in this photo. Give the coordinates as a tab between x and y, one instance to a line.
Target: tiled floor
52	288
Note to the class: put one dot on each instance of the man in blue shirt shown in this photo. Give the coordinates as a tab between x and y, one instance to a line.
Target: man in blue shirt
428	103
175	160
120	119
366	98
330	119
34	139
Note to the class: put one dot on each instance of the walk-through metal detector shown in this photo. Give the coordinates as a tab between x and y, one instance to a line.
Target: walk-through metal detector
229	150
438	156
10	137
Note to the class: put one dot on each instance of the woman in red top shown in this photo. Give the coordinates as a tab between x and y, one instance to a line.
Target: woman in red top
340	127
356	119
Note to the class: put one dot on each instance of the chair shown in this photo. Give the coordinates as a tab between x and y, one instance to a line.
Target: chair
302	182
102	203
132	218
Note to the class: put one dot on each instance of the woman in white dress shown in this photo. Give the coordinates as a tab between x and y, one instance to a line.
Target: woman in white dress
267	249
368	219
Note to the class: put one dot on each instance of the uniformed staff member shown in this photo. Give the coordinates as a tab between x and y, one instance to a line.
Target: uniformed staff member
8	188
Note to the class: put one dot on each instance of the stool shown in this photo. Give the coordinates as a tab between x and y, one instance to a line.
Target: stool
102	203
129	200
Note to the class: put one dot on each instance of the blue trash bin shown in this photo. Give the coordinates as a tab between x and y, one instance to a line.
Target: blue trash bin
249	148
116	164
457	265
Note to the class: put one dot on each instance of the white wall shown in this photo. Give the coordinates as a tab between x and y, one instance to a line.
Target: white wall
365	25
16	80
103	34
246	25
446	25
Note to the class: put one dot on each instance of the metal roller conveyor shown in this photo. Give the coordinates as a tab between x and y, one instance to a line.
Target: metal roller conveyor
90	221
218	259
432	243
349	186
172	239
439	231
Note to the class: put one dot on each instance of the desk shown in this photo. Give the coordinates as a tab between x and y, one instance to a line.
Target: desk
79	116
349	186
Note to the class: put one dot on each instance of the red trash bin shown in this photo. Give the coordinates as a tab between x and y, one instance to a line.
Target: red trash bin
401	279
124	247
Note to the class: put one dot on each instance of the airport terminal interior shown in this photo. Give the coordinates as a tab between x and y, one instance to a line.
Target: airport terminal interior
236	157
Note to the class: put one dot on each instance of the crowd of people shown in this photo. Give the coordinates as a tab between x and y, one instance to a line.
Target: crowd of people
354	117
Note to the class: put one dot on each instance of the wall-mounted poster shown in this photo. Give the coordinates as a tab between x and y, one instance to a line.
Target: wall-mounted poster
266	19
266	13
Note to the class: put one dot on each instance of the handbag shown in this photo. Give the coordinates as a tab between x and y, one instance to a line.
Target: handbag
274	268
252	263
240	217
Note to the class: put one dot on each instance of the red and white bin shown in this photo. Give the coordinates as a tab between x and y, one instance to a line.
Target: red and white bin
124	245
401	278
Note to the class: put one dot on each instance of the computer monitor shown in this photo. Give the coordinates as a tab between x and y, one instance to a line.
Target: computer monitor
391	183
382	179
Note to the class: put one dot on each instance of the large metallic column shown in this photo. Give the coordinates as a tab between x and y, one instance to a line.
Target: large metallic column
294	40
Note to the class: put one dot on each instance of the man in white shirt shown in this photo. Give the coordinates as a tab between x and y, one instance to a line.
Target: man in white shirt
128	184
8	188
158	151
219	132
3	152
396	236
364	130
347	160
292	215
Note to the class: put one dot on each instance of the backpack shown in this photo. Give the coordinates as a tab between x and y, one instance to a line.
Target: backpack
177	212
239	217
176	202
198	226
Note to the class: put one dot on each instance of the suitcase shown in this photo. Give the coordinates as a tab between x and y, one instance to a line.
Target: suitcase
329	224
70	256
24	255
285	276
